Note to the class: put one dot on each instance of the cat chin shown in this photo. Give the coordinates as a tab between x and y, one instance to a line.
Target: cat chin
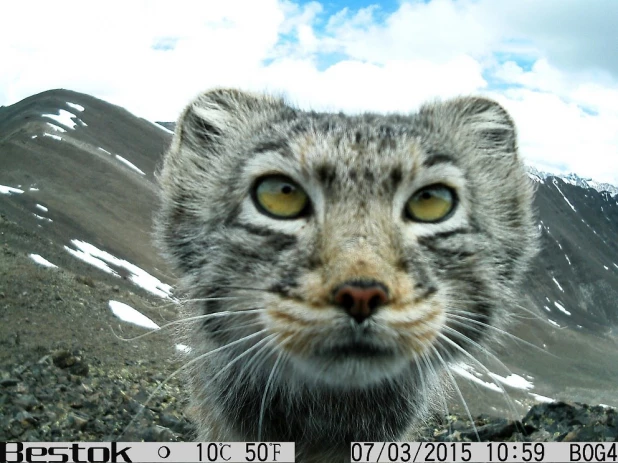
348	373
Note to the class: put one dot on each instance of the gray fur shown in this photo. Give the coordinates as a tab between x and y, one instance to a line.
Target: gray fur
358	172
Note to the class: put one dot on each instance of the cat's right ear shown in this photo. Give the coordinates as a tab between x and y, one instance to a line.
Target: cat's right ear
479	121
490	124
215	115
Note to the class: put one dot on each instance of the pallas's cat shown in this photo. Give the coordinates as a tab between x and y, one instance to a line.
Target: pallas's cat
334	264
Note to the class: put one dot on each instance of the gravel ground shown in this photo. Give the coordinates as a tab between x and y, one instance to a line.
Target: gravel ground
64	396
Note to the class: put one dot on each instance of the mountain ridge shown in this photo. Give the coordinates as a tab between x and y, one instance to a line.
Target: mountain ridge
574	179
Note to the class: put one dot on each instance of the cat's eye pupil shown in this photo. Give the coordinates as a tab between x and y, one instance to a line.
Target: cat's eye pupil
425	195
286	189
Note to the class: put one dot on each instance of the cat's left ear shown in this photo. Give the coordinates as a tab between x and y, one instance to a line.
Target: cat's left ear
486	121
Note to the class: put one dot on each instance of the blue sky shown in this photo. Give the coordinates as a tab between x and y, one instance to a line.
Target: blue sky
383	8
547	62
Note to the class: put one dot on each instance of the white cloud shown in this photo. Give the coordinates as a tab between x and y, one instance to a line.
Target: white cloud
438	31
566	122
555	133
151	57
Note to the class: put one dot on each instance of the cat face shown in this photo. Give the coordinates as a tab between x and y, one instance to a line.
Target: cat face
356	248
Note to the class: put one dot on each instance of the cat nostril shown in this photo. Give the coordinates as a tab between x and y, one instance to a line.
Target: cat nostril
346	301
360	299
375	302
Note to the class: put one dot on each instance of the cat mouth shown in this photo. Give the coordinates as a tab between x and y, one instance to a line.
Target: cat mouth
358	349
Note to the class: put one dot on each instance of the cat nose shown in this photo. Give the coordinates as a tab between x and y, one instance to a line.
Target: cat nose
360	299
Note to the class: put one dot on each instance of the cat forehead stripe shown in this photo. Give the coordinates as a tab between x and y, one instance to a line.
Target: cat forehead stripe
431	159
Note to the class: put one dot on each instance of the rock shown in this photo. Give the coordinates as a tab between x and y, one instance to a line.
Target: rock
86	280
15	428
26	401
8	382
574	421
77	421
25	419
64	359
71	361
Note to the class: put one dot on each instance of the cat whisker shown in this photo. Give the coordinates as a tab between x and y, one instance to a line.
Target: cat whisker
249	288
457	389
466	319
534	315
188	300
190	319
483	349
183	367
427	361
266	340
254	366
186	303
238	327
477	362
209	299
272	374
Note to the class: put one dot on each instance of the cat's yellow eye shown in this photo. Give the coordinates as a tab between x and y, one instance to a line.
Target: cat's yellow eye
430	204
280	197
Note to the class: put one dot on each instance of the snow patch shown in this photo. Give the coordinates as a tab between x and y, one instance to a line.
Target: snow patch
42	261
568	260
7	190
89	259
105	151
565	198
462	370
541	398
561	308
43	208
606	267
128	314
557	284
130	164
100	259
79	107
513	380
553	322
56	128
547	308
64	118
55	137
183	348
34	136
40	217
